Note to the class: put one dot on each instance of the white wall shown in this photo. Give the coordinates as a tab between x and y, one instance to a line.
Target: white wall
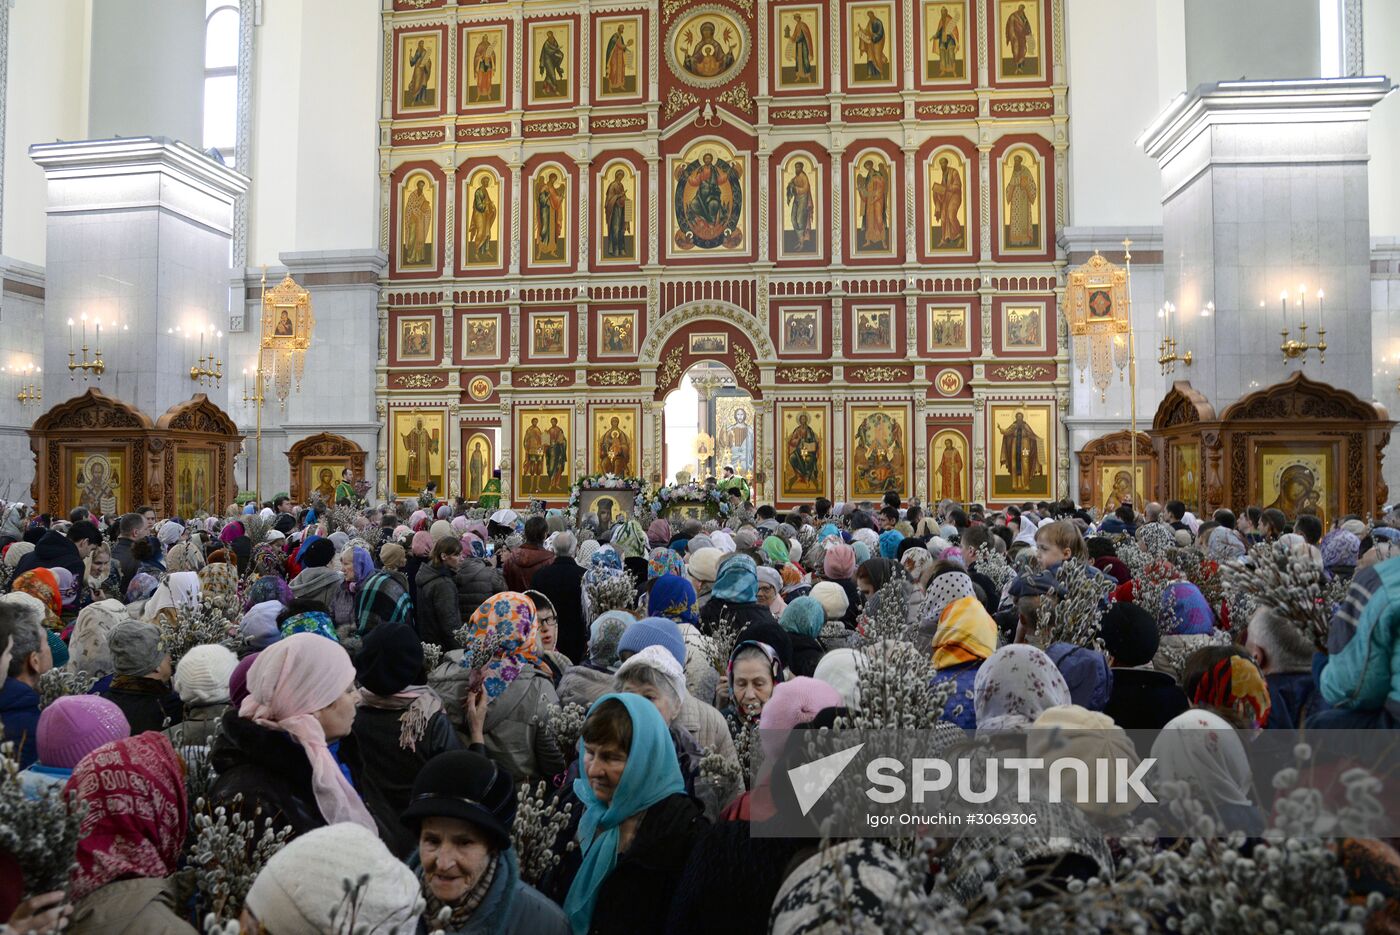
46	101
1381	19
146	74
315	129
1253	39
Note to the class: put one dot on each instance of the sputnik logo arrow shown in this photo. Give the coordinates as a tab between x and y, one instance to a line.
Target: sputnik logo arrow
810	781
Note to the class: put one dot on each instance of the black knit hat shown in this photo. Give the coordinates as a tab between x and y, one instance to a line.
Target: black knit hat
1129	634
285	523
465	785
318	554
390	659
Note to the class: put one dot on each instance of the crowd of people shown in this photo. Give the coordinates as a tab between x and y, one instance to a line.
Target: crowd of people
529	722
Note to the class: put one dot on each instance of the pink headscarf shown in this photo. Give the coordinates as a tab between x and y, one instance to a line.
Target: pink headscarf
230	532
459	524
418	520
840	561
659	532
422	544
480	531
292	679
401	531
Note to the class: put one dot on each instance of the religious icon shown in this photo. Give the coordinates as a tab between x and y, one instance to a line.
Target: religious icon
419	450
547	241
799	214
551	68
482	244
1019	52
418	55
948	454
869	60
325	485
879	450
734	442
547	335
1116	485
946	209
1021	188
488	46
480	465
98	481
1023	449
617	334
614	446
619	216
1186	474
947	328
617	69
945	40
1023	327
284	327
709	343
480	388
1101	303
707	47
544	458
708	199
415	339
871	204
801	332
799	62
802	473
481	336
418	223
874	328
1297	478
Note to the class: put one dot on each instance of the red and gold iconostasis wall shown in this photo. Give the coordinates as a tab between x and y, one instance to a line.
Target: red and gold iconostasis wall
852	204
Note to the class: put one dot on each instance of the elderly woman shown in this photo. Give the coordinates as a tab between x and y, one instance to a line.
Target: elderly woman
1201	748
1014	686
803	621
654	674
734	597
460	812
127	857
283	749
770	590
201	681
586	682
632	823
382	596
754	671
965	636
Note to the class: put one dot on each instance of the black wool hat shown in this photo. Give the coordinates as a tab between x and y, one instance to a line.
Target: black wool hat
390	660
318	554
1129	634
465	785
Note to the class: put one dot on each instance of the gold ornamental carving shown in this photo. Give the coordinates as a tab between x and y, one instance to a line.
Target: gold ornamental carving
678	101
805	374
612	377
879	374
738	97
671	367
743	366
800	113
417	381
1021	372
545	378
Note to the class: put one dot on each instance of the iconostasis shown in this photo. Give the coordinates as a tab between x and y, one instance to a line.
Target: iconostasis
851	205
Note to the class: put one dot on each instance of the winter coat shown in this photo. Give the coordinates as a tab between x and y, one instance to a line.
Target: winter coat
806	653
1363	664
516	735
124	560
199	727
19	712
958	708
1144	699
390	768
147	703
317	584
270	770
562	582
1292	697
437	607
141	906
477	582
636	896
583	685
383	597
522	563
704	723
510	907
52	551
741	616
730	868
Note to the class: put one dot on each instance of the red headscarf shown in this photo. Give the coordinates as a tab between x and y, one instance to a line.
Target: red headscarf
134	789
42	585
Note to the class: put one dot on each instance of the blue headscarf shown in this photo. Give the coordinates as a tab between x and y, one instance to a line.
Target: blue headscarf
312	621
363	564
804	615
1086	672
828	530
1190	609
301	550
737	581
651	774
664	561
674	597
862	552
889	543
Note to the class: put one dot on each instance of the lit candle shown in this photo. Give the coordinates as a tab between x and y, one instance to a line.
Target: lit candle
1302	304
1283	296
70	335
1319	308
84	318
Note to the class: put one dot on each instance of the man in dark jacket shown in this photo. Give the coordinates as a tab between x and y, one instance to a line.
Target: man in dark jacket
1284	654
1142	698
522	563
562	582
57	550
22	631
141	686
477	581
130	528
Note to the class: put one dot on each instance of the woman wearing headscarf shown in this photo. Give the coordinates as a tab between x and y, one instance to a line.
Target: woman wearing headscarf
873	576
87	645
839	567
1340	551
664	561
42	585
383	595
268	588
520	694
218	585
130	844
400	724
1200	747
267	558
630	540
803	620
1188	624
1014	686
964	637
633	824
1086	672
461	814
659	534
754	670
586	682
288	748
356	565
734	597
770	590
776	551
